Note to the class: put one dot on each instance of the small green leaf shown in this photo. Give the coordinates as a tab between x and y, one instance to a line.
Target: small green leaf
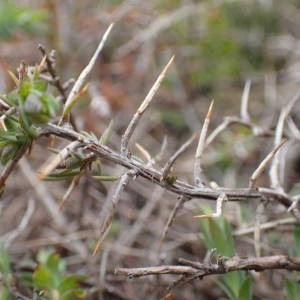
68	174
105	178
4	262
106	134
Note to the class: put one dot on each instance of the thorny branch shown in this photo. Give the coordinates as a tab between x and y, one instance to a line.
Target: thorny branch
153	175
184	190
223	265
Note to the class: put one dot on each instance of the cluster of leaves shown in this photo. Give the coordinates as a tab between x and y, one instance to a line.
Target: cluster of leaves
15	18
23	109
47	278
217	235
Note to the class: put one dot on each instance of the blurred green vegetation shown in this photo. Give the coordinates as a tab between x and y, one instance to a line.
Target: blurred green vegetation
15	18
48	278
233	41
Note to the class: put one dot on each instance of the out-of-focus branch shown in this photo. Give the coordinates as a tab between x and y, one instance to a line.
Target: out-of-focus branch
223	265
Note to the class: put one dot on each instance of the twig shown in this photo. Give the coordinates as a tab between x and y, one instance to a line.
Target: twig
51	69
128	238
58	159
229	120
10	111
257	232
265	226
145	153
43	194
171	218
178	187
10	166
223	265
10	236
113	204
157	26
70	189
198	172
218	212
144	105
274	169
244	102
83	75
167	167
262	166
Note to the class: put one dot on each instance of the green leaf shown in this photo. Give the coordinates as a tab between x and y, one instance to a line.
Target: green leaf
4	294
292	289
64	175
4	262
40	85
234	280
70	283
245	289
43	279
106	134
227	290
54	266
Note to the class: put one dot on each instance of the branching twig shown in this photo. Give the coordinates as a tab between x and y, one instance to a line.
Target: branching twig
178	187
223	265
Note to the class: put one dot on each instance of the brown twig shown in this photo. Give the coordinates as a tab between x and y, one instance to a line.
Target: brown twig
52	71
112	208
223	265
11	166
171	218
178	187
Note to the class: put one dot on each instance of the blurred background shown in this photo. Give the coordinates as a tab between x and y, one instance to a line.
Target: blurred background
218	46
